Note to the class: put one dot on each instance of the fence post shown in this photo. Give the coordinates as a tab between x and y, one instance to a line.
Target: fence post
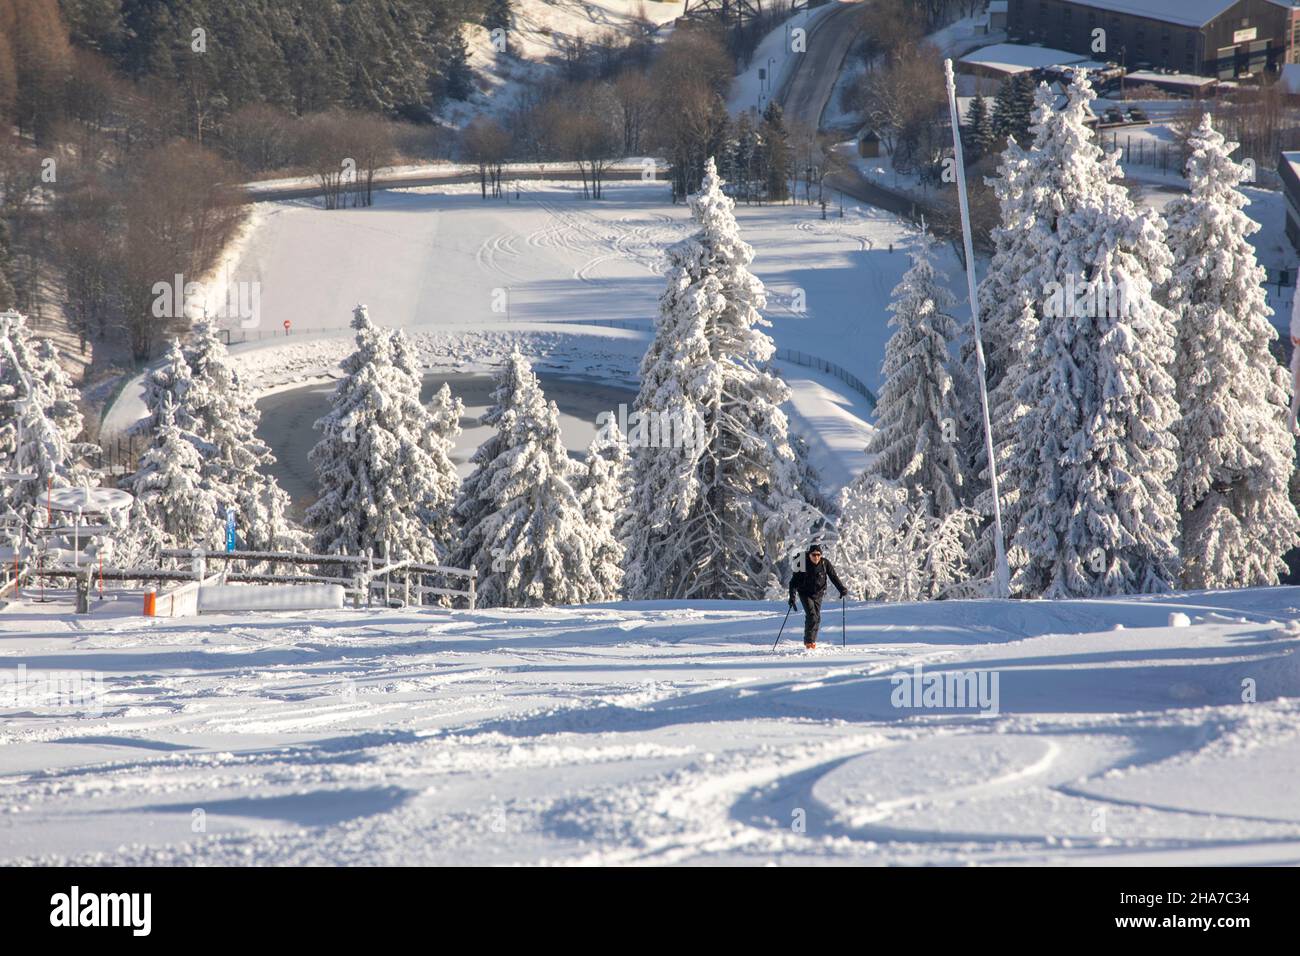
473	575
370	570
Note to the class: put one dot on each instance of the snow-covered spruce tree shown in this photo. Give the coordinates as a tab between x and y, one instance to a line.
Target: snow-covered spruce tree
916	442
1096	455
40	422
381	485
522	523
713	514
978	134
603	492
167	391
224	417
444	413
1235	450
175	505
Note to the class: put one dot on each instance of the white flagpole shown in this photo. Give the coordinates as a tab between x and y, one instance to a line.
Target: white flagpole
1001	574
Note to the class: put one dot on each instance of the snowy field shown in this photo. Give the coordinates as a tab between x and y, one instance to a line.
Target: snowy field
467	278
440	256
658	734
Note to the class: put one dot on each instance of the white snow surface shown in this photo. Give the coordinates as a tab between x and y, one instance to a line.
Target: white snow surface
657	733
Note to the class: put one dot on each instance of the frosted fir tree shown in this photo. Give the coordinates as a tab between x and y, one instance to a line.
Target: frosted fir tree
444	414
175	506
405	355
1236	453
603	493
1096	453
381	487
916	442
40	421
475	499
716	509
522	524
978	133
222	414
167	391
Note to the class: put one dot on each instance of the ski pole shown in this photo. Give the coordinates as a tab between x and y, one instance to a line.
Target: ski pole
843	626
782	631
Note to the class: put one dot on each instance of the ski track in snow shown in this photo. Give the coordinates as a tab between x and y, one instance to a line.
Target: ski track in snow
658	734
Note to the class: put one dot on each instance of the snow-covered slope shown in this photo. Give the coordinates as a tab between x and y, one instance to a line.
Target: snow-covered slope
542	30
659	733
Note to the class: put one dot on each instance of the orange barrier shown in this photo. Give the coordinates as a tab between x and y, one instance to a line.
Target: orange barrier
150	602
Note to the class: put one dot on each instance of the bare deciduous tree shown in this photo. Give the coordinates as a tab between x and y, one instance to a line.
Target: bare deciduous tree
487	144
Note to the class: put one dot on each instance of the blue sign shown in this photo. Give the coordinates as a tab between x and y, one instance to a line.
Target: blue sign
230	529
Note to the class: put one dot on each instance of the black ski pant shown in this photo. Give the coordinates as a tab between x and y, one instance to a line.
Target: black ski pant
812	617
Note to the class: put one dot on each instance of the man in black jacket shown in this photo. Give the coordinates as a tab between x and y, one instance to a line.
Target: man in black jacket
810	584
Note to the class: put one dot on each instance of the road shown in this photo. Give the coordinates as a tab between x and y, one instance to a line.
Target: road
807	91
809	85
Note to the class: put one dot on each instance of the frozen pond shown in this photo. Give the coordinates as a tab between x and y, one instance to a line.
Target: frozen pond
287	419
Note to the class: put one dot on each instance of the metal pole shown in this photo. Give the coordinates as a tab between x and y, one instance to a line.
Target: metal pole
782	631
1001	573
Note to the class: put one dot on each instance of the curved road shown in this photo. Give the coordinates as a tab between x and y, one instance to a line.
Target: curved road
807	91
809	86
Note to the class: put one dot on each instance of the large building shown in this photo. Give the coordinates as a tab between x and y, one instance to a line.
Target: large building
1219	38
1288	168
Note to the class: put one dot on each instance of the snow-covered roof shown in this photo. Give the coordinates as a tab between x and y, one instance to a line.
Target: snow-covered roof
1176	79
1292	159
1189	13
1015	58
997	6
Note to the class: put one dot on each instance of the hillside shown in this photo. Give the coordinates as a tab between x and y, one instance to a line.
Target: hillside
545	31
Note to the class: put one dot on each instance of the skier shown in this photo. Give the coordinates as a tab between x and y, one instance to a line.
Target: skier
810	583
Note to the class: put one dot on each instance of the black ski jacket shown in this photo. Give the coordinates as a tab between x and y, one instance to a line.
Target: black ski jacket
811	581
